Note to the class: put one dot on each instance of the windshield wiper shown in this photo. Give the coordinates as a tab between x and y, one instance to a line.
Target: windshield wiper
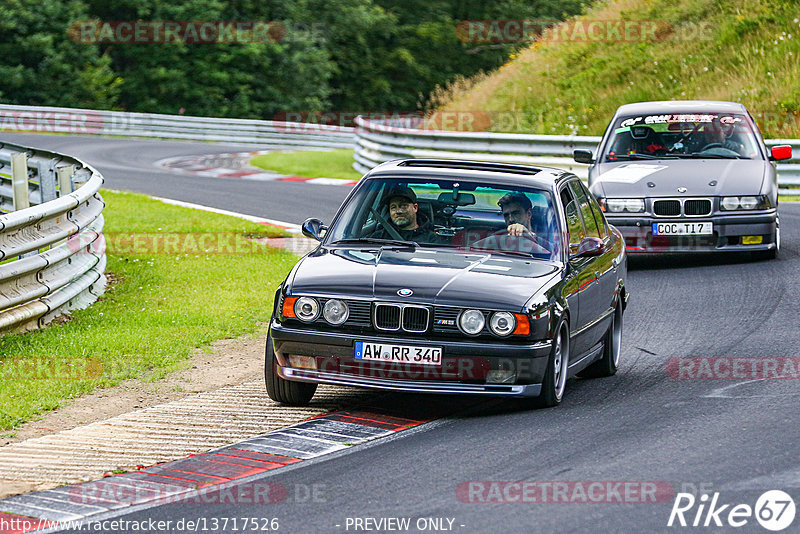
501	251
700	155
377	241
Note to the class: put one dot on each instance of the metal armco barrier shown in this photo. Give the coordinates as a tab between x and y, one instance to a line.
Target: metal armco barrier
52	249
380	141
37	119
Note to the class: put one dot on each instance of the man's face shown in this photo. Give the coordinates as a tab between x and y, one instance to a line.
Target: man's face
403	213
514	213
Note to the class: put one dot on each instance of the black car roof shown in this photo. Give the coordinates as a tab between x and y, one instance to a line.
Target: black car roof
486	171
681	106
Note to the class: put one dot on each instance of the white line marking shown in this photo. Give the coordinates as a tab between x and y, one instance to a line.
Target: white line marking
289	227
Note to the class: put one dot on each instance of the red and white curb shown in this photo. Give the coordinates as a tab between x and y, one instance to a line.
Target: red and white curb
199	478
237	165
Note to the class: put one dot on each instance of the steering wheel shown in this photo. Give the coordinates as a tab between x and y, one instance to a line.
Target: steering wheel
388	227
711	145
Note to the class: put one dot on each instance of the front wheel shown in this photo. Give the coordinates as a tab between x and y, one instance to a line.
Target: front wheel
555	376
282	390
612	345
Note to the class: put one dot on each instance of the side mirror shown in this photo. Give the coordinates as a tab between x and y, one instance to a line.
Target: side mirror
314	229
780	152
589	246
583	156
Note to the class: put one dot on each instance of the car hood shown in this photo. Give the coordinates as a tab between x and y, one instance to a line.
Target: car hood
435	276
700	177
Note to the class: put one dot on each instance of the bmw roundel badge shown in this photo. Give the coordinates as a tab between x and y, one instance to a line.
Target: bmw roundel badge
405	292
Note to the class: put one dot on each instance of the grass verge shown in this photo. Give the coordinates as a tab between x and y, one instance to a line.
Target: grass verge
211	283
310	163
740	50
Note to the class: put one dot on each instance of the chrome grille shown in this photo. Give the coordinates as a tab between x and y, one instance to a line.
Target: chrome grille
667	208
415	319
697	206
387	316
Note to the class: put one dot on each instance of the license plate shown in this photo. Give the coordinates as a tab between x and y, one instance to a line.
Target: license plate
683	228
383	352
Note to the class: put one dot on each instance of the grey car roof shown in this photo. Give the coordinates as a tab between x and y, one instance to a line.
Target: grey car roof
504	174
681	106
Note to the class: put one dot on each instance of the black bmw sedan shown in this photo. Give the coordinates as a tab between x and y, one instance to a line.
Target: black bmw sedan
688	176
453	277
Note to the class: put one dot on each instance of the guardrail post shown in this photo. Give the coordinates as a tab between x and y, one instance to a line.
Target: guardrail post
47	180
65	179
19	181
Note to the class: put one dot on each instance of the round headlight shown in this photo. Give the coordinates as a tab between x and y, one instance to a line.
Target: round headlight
748	203
730	203
471	322
335	311
306	309
502	323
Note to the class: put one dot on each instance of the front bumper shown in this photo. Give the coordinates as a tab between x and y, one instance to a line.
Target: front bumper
464	370
728	230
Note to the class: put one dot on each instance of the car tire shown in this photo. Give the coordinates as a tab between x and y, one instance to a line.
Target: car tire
608	364
555	376
282	390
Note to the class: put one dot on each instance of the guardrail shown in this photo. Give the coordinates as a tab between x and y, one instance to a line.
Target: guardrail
36	119
52	249
380	141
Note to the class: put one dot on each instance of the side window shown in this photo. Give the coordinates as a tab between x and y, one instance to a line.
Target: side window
585	207
574	224
602	224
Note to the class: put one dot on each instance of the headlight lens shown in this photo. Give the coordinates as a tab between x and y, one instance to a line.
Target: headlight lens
630	205
306	309
471	322
760	202
730	203
502	323
335	311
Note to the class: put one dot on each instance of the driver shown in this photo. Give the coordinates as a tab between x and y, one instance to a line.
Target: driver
517	211
405	217
720	134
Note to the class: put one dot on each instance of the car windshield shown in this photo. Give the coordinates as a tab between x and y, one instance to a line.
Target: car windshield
682	135
448	213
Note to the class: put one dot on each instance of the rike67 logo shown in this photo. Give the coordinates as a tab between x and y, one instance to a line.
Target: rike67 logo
774	510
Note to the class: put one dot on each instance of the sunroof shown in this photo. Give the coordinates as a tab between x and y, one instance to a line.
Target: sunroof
471	165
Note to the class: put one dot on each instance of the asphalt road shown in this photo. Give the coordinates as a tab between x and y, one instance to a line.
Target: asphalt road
129	164
736	437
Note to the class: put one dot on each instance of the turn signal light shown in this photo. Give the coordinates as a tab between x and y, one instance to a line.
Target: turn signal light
288	307
523	325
